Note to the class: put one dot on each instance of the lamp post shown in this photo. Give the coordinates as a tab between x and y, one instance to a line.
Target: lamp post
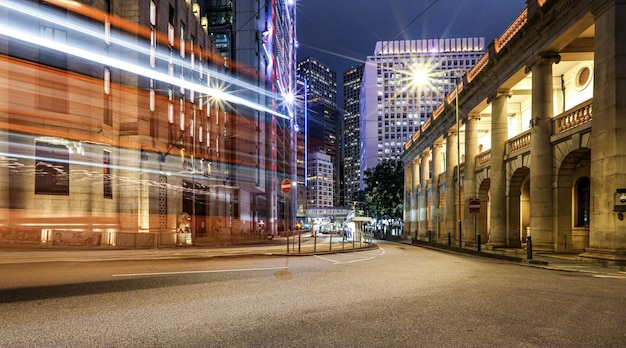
458	158
421	77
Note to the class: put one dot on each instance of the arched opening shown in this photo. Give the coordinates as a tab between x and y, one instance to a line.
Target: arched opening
518	198
573	202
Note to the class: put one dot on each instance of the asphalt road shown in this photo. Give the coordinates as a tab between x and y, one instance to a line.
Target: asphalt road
395	296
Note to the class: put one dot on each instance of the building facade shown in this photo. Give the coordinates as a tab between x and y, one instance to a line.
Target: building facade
537	148
121	127
393	104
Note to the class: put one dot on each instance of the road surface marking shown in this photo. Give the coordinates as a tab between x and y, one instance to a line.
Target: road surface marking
351	261
609	276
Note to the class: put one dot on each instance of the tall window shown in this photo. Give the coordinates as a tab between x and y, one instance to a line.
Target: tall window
52	168
583	197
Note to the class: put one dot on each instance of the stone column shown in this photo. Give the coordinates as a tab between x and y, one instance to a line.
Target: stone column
408	194
423	211
414	205
499	135
607	230
436	196
469	183
451	159
541	206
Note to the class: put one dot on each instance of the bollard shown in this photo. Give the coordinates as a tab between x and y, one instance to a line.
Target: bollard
529	248
449	239
429	237
478	242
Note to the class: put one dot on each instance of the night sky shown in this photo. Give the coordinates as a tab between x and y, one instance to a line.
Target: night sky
342	33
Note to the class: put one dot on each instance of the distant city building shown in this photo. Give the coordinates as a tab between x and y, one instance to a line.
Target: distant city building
321	81
322	122
351	149
393	106
320	193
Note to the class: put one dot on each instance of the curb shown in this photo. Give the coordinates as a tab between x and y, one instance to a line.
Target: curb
489	255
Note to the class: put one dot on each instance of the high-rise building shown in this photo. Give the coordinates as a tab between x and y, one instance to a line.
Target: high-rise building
352	80
393	104
322	121
321	81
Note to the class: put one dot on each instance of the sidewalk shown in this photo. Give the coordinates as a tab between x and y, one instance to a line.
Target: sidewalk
307	246
557	262
274	247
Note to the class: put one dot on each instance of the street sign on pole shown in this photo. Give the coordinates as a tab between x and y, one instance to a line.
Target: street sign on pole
474	206
285	185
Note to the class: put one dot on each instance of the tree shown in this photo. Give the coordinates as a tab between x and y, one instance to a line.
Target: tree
384	191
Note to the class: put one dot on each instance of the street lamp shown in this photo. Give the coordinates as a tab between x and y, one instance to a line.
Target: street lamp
458	157
421	77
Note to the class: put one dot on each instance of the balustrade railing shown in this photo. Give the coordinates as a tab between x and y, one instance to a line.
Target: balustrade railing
483	158
508	34
579	115
518	142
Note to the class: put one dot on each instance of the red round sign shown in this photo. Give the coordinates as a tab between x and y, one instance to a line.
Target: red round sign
285	185
474	206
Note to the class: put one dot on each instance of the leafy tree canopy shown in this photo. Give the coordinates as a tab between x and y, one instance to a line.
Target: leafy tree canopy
384	191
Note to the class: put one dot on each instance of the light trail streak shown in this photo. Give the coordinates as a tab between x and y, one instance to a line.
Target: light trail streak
8	30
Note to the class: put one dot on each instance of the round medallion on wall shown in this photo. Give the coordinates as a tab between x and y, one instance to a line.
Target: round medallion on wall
583	78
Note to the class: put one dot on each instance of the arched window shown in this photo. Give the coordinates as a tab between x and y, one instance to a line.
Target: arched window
583	195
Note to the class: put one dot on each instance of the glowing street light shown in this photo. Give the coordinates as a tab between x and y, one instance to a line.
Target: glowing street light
420	77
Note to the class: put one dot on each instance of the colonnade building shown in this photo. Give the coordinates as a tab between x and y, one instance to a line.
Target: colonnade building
539	142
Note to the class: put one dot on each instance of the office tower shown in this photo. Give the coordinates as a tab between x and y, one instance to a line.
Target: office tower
322	123
352	80
393	104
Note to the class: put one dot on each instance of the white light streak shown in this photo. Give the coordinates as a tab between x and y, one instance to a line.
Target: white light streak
10	31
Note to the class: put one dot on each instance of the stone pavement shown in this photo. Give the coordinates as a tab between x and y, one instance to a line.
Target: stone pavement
557	262
306	246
